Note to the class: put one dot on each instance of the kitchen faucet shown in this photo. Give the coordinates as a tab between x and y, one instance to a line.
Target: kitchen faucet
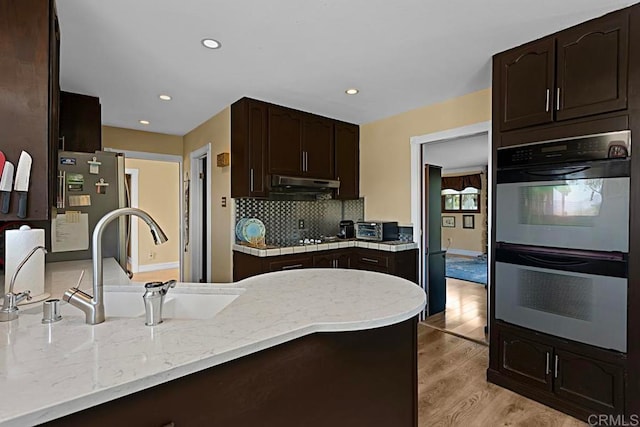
9	309
93	306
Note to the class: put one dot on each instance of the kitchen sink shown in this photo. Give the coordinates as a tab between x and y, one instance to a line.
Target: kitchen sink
176	305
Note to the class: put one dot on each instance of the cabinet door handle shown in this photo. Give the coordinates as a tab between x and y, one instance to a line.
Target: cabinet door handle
555	373
375	261
251	182
547	101
61	139
558	99
291	267
171	424
548	369
306	161
338	193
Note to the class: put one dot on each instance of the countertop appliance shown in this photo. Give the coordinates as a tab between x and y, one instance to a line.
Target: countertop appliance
347	230
89	186
376	230
562	237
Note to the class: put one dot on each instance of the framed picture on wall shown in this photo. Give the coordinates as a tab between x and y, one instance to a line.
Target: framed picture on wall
468	221
449	221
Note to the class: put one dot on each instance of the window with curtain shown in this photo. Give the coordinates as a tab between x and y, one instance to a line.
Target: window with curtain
461	193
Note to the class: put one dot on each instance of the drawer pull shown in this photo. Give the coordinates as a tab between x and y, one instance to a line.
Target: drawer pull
171	424
291	267
375	261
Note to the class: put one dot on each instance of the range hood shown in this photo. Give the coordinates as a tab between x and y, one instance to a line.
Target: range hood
294	184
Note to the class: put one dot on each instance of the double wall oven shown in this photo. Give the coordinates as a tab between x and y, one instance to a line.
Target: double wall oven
562	237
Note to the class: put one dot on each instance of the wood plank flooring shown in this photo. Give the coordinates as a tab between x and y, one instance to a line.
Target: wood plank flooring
158	275
466	310
453	391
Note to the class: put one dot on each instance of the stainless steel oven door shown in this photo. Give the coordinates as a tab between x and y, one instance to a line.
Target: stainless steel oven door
588	213
587	308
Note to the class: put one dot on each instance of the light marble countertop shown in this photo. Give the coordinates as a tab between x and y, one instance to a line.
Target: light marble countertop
48	371
342	244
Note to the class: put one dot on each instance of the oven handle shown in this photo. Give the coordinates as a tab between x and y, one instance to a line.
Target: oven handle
568	171
552	262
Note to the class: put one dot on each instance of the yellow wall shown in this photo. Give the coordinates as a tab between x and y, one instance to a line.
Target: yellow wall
159	195
385	153
135	140
467	239
217	131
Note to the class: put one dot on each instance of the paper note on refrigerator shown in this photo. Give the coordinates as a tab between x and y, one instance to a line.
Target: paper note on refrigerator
70	235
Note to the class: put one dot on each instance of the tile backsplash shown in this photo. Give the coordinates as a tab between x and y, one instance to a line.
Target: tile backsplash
280	217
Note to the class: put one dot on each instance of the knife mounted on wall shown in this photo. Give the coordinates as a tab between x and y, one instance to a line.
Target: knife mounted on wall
22	182
5	187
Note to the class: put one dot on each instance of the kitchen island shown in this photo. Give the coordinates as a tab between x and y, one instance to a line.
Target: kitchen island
294	348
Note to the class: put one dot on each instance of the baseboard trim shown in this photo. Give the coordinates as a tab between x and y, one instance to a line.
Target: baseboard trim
463	252
159	266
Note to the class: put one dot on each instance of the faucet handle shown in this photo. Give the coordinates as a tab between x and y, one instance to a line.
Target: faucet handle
159	287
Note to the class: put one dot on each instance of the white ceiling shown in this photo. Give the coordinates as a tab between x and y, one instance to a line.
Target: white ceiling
456	155
401	54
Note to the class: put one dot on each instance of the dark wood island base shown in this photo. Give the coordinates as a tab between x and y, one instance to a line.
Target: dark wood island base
360	378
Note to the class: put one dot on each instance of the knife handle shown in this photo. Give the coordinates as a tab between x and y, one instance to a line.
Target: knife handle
22	204
5	198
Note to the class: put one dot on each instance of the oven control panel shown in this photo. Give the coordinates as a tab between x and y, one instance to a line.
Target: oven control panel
613	145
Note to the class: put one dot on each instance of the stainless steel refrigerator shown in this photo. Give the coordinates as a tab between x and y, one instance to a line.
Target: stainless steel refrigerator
89	186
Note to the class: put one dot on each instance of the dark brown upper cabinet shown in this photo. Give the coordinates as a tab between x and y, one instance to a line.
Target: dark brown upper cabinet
526	85
592	67
300	144
285	141
317	147
347	160
268	139
29	48
80	123
248	148
579	72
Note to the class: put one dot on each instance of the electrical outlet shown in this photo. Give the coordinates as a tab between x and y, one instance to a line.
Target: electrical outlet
301	224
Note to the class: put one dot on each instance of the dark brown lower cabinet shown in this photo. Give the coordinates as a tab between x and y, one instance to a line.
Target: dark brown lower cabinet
525	360
339	258
360	378
575	378
402	264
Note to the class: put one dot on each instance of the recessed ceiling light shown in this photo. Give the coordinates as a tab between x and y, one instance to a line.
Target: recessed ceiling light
351	91
165	97
144	122
211	43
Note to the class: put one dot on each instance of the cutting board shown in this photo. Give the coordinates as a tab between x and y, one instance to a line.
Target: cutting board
18	244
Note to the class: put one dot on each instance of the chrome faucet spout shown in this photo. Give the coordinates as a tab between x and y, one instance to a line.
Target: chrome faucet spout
93	306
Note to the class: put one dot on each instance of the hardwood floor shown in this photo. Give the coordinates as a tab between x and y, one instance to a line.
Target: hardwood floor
466	310
453	391
159	275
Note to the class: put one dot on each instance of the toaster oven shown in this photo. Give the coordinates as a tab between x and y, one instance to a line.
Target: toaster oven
377	230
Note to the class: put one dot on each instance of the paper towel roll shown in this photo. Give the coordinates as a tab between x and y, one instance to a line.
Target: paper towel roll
18	244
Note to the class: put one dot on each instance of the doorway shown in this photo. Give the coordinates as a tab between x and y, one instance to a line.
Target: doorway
200	214
462	151
153	184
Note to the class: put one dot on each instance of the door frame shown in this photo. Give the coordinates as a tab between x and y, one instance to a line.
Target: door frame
417	187
195	212
133	202
142	155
